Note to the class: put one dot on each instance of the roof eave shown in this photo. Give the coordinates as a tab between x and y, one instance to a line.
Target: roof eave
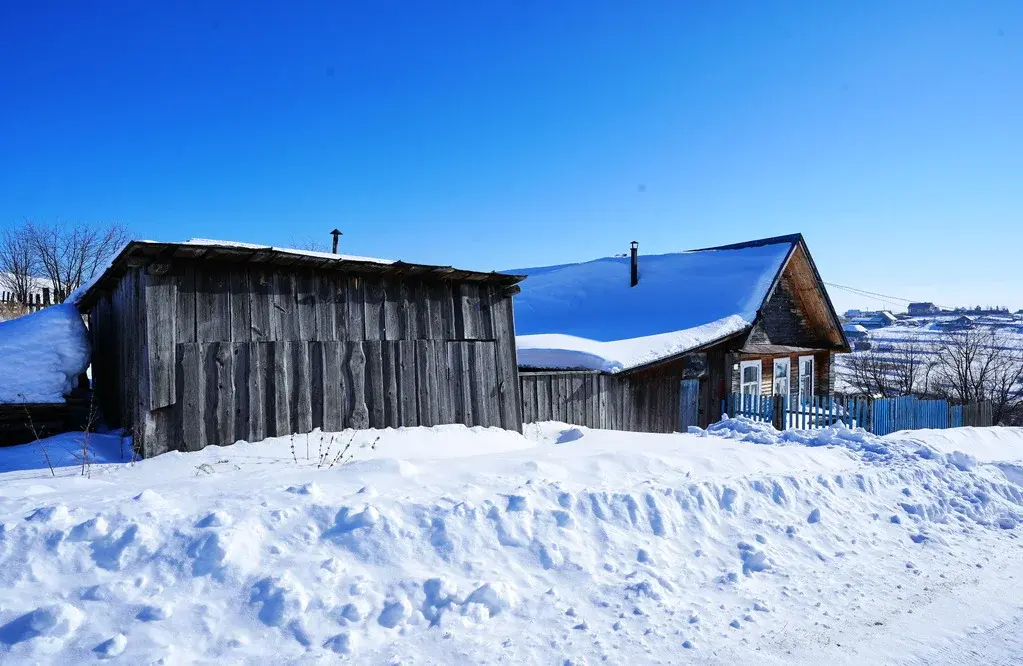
161	251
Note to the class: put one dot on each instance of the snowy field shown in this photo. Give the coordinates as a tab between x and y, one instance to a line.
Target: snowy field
564	546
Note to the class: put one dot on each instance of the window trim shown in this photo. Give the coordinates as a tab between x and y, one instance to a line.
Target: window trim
788	375
760	376
813	378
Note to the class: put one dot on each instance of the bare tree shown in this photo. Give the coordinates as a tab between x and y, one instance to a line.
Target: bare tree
904	368
18	263
981	364
69	254
308	243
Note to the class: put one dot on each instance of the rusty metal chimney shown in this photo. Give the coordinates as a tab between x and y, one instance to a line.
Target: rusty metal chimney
335	234
634	274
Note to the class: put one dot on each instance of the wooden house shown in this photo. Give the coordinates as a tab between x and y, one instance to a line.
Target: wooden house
208	342
656	343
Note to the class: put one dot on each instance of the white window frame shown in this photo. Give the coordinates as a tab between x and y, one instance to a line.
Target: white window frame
742	376
813	369
788	375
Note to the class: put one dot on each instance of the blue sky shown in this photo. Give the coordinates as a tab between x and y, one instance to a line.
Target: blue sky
500	134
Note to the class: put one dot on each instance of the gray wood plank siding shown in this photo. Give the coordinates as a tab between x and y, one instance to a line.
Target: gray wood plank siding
647	402
211	352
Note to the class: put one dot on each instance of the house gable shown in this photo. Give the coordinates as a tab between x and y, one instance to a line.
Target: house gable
797	312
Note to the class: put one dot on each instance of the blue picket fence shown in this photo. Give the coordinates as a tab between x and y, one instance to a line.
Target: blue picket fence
880	416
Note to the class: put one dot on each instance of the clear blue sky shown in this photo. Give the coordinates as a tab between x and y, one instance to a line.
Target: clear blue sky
501	134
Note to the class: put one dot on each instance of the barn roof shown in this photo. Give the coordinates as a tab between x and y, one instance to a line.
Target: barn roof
235	252
586	315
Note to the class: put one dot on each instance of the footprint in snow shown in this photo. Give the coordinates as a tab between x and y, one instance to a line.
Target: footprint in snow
112	647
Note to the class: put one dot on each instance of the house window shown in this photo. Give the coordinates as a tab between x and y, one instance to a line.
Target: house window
782	367
749	373
805	377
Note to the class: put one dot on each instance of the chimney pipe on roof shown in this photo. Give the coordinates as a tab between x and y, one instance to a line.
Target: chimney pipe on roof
634	274
335	234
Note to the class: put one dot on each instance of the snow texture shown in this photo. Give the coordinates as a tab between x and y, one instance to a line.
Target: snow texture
42	355
587	316
567	545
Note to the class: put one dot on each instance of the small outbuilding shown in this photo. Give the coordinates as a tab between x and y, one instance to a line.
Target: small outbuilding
209	342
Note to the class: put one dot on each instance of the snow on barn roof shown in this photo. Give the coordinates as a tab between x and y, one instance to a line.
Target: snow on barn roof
233	251
586	316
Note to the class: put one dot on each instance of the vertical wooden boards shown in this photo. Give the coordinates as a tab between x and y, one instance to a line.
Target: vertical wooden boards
604	416
306	287
503	323
218	411
241	320
301	396
334	401
467	295
317	380
428	380
326	306
284	306
528	388
393	316
242	382
543	398
408	309
359	418
577	398
408	388
420	292
392	401
184	319
160	307
489	299
259	360
354	303
279	377
264	323
212	303
486	407
191	398
442	312
375	383
373	307
462	380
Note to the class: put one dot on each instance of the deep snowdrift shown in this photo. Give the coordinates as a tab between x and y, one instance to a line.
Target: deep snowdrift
451	545
42	355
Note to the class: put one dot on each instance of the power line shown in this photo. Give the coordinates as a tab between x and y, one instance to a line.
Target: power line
884	298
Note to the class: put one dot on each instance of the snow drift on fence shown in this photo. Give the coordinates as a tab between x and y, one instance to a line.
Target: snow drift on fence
42	354
456	545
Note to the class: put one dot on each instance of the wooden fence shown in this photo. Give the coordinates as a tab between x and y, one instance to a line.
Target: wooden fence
34	303
880	416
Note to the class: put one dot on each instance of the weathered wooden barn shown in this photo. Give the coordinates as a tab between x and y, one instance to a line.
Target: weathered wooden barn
655	344
207	342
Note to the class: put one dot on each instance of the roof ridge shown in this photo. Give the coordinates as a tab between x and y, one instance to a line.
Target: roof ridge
760	242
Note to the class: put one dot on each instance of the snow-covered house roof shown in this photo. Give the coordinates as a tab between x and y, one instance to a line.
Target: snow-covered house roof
587	316
854	328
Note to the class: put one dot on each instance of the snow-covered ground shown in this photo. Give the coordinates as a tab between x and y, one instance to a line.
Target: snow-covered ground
567	545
